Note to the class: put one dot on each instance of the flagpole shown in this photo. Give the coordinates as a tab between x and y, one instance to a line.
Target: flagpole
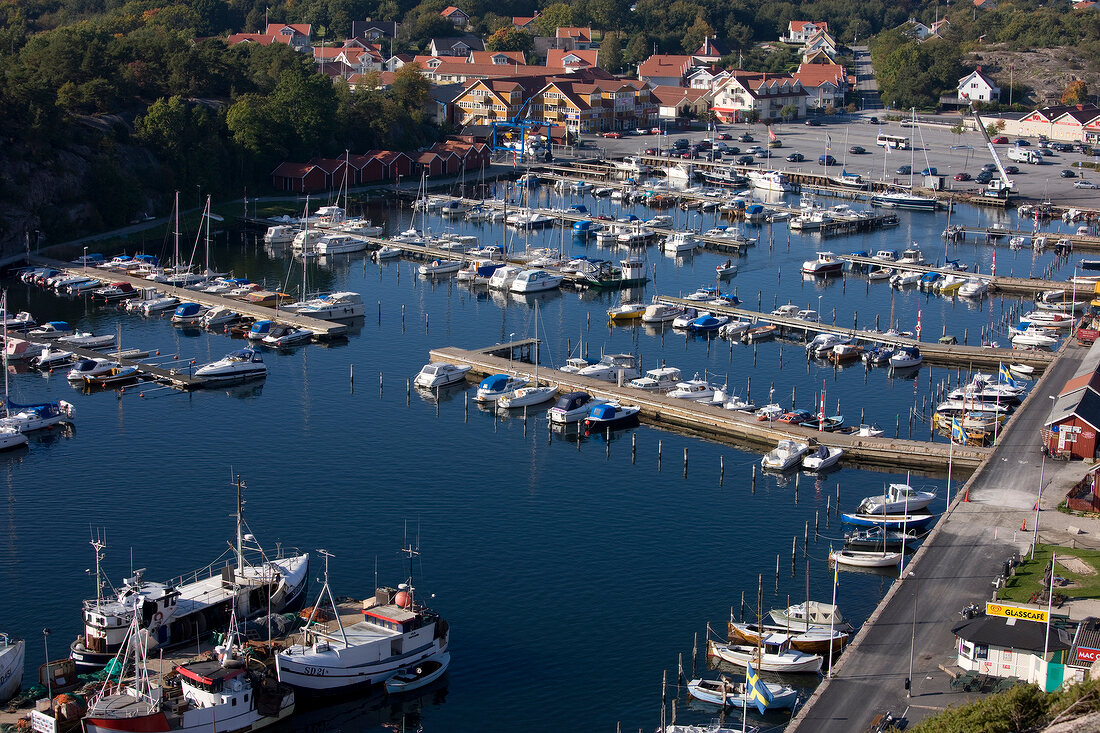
832	616
950	459
1050	603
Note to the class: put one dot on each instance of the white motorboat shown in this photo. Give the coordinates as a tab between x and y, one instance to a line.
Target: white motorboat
905	356
768	181
503	277
734	330
823	343
51	358
911	255
236	365
387	252
527	396
774	655
419	675
290	337
88	340
535	281
785	455
243	577
437	268
661	312
1034	337
156	305
16	321
440	374
822	457
51	331
1048	318
334	306
679	243
90	368
687	318
865	559
280	234
611	366
574	364
366	642
803	616
905	278
826	263
739	404
725	692
573	407
974	287
1022	370
187	313
896	499
769	412
869	431
658	380
725	269
495	386
219	316
696	390
12	652
880	273
336	244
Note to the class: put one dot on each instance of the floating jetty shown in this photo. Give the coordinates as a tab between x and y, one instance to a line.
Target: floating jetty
1007	285
718	423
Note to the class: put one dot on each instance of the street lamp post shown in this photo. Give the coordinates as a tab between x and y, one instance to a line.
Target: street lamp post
1042	470
912	638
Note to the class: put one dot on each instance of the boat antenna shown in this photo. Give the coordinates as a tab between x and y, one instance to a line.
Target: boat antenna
99	542
240	524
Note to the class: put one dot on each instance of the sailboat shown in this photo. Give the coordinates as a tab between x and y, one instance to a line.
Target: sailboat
533	395
10	435
903	199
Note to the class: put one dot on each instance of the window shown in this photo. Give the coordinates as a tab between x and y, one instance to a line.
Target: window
981	651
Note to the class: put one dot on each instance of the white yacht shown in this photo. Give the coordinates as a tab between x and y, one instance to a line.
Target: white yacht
679	242
696	390
495	386
769	181
786	454
611	366
440	374
436	268
334	306
658	380
280	234
90	368
661	312
219	316
336	244
896	499
503	277
535	281
12	652
573	407
241	364
27	418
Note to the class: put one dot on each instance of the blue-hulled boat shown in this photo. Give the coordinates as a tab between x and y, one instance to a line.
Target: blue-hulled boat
893	521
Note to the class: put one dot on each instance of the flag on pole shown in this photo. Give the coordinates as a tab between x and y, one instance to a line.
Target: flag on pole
1005	375
758	691
771	134
958	435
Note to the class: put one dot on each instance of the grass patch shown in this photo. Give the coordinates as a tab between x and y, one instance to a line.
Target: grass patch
1025	583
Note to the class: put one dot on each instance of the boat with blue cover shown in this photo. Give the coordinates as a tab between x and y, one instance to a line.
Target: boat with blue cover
495	386
26	418
573	407
611	416
707	323
259	330
189	313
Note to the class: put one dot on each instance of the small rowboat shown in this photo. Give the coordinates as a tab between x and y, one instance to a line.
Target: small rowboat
726	269
1022	370
813	641
422	674
864	559
877	539
889	520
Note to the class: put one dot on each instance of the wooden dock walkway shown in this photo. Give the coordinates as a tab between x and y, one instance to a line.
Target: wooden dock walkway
727	425
1008	285
180	378
1079	242
322	330
956	355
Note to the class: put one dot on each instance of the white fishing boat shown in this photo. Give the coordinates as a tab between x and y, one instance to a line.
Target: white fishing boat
974	287
90	368
172	613
438	268
661	312
387	252
822	457
503	277
219	316
826	263
735	329
679	243
87	340
865	559
1034	337
241	364
896	499
905	278
12	652
880	273
662	379
611	366
280	234
739	404
573	407
905	356
290	337
51	358
440	374
336	244
535	281
366	643
785	455
774	655
51	331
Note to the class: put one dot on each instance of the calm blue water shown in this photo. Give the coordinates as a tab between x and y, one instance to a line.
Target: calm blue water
572	577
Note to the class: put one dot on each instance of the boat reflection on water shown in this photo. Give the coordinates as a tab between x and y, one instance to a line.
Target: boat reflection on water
446	393
376	711
50	435
243	391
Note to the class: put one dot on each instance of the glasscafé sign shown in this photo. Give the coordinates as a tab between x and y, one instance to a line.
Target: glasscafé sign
1017	612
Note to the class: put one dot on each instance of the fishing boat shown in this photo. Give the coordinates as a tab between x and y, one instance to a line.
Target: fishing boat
865	559
822	457
280	234
290	337
573	407
816	640
241	364
661	312
726	269
678	243
739	404
417	676
905	356
725	692
172	613
495	386
611	367
440	374
12	652
905	521
114	375
610	416
366	642
896	498
809	614
50	358
437	268
785	455
774	655
387	252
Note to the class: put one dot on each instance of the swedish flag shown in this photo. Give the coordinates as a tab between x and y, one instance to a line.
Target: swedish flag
758	691
958	435
1006	376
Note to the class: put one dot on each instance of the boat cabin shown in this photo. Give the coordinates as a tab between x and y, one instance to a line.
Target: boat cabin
260	328
604	412
571	401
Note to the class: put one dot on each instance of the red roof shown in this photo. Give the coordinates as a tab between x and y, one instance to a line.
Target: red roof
578	34
668	96
813	75
302	29
556	57
798	25
293	170
486	57
523	21
662	64
451	10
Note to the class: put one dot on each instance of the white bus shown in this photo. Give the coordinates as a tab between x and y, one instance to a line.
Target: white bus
897	142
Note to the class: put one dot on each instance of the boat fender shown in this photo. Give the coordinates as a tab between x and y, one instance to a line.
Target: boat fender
158	617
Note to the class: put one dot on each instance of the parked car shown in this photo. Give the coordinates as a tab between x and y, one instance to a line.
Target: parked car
984	177
681	143
746	160
904	170
733	150
1067	173
745	138
613	135
873	120
857	150
826	160
1011	169
812	123
989	167
1022	143
763	153
795	158
654	131
725	136
686	154
1084	184
964	176
650	151
1062	147
776	143
930	171
641	131
1000	140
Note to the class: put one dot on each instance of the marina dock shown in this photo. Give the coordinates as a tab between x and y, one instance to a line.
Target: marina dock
726	425
950	355
180	378
322	330
1007	285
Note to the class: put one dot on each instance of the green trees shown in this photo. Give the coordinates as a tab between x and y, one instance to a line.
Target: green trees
510	38
914	74
611	52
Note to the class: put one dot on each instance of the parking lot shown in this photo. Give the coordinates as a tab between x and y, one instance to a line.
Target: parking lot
933	146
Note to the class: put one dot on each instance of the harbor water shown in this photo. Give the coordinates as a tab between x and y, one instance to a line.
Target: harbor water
573	573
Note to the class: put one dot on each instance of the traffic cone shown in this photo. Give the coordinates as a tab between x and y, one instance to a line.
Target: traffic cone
1036	505
1023	526
967	497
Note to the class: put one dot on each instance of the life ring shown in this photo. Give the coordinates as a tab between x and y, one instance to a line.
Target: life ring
158	617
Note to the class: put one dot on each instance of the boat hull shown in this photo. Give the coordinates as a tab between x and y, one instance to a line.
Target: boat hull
312	679
889	520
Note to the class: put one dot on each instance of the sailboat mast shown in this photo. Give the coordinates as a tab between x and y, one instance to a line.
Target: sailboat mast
176	234
240	523
207	243
5	312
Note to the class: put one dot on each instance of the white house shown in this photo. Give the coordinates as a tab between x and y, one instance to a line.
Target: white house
800	31
978	87
1009	641
705	77
744	93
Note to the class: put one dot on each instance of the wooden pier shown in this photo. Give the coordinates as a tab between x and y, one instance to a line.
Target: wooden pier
730	426
179	378
322	330
953	355
1078	242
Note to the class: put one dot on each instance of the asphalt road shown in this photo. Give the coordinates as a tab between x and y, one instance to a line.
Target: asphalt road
933	145
956	568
